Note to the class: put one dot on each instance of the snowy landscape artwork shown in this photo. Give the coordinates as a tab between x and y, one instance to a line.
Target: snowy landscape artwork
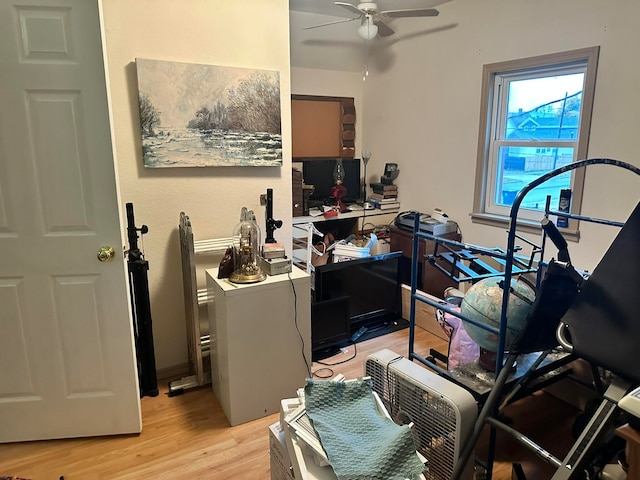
195	115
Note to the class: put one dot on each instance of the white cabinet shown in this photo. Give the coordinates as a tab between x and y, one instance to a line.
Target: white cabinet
258	335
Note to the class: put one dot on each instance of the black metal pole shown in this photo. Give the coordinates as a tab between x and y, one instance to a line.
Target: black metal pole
141	309
271	224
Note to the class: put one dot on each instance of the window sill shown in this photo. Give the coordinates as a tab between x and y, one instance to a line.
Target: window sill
526	226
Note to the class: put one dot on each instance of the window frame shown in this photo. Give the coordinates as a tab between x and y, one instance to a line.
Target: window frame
488	119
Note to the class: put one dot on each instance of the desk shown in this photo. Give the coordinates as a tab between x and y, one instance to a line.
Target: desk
341	226
256	350
632	450
376	215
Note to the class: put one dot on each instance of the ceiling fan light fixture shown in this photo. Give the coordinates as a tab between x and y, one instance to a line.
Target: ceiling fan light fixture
368	30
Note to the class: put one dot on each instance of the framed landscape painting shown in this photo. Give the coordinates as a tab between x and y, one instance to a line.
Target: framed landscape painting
195	115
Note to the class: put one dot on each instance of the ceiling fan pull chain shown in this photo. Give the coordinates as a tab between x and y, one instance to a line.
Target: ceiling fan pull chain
366	61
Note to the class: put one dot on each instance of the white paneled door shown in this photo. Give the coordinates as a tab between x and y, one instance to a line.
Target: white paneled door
67	356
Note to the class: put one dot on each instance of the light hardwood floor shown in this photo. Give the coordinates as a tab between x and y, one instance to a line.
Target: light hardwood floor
188	436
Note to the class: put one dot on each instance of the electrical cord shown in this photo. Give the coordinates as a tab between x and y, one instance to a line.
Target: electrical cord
366	224
295	321
329	371
391	391
355	353
458	230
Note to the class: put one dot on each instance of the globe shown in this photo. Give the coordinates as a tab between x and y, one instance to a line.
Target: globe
483	304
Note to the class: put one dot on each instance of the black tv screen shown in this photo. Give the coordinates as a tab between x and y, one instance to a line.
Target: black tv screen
372	285
319	173
330	322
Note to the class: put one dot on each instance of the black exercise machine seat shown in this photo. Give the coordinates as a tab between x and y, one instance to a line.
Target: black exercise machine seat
603	322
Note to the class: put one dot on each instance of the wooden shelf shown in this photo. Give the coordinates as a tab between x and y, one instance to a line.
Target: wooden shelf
342	216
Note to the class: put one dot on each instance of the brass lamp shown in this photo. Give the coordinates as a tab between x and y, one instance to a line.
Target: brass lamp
246	246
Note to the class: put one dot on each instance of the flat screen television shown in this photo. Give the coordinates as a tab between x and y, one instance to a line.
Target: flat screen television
330	324
319	173
371	284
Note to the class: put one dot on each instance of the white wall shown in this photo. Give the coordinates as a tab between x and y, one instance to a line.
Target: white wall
419	107
251	33
422	102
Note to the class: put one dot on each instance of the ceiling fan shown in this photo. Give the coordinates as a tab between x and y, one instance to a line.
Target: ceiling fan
371	23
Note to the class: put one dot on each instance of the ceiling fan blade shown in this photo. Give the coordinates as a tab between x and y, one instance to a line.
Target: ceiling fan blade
383	29
420	12
331	23
348	6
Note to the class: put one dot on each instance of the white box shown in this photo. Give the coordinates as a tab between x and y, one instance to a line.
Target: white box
438	228
279	461
380	247
275	266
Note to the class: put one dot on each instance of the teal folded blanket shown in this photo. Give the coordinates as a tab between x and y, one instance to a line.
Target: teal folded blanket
360	442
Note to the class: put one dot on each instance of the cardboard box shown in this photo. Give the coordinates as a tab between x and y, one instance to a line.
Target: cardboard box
425	313
380	247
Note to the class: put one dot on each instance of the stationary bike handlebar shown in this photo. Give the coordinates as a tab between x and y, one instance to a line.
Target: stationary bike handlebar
556	237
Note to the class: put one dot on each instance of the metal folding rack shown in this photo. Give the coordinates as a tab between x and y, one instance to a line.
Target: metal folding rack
465	265
303	244
195	299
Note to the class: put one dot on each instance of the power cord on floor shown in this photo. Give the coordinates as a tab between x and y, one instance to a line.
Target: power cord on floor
329	371
295	321
323	376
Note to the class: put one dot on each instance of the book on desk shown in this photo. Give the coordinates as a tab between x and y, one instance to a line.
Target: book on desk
386	204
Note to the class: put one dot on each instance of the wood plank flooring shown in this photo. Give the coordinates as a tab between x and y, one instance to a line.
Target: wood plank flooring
188	436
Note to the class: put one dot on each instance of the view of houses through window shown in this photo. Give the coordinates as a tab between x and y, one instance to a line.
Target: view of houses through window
537	118
544	111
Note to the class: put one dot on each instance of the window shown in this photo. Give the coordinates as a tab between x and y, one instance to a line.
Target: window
535	117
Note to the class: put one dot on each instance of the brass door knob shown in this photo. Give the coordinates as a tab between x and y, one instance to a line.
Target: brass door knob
106	253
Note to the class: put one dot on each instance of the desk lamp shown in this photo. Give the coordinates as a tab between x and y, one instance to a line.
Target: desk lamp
366	156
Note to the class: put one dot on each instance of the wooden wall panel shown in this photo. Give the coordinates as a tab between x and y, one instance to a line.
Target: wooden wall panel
322	126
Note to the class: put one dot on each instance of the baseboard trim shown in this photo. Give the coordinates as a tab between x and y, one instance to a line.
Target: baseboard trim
173	372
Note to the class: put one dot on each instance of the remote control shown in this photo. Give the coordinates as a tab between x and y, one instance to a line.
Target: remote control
358	334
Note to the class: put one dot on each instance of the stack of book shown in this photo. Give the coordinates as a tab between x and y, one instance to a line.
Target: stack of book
384	197
273	250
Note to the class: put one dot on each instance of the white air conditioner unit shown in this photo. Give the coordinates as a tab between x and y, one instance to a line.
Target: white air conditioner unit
443	414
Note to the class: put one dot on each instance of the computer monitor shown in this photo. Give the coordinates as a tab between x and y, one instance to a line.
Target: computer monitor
319	173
